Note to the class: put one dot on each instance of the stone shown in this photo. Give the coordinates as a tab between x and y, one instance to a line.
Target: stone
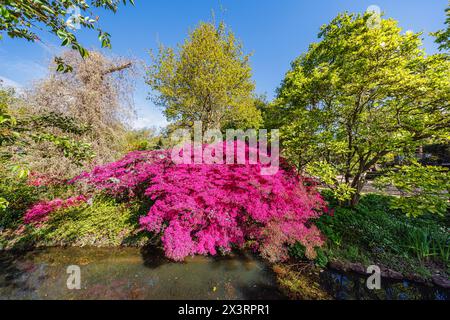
441	281
358	268
416	278
338	265
391	274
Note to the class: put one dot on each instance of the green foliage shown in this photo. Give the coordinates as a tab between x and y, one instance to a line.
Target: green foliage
7	121
424	189
372	232
56	120
75	150
443	36
297	251
18	196
321	259
208	79
329	176
20	19
360	95
104	223
19	172
3	204
420	243
19	130
141	140
324	171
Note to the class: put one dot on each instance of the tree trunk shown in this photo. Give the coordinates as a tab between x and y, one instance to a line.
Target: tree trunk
355	199
358	185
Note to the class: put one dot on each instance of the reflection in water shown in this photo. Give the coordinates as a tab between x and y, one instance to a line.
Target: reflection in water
132	273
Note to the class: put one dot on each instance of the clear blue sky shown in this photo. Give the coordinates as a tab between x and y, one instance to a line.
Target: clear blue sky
275	31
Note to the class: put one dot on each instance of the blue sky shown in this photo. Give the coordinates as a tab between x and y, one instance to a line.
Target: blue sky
275	31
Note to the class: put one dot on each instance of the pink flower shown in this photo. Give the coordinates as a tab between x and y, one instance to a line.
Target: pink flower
200	208
39	212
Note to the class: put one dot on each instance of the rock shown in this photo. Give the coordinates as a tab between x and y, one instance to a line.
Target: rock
358	268
338	265
391	274
416	278
441	281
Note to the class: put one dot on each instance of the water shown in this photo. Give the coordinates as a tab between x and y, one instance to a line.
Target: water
132	273
347	286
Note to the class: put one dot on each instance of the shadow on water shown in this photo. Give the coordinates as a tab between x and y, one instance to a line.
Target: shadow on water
8	269
239	275
348	286
261	287
153	256
234	261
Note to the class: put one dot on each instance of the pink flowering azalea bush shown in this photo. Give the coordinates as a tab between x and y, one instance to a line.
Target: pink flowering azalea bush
40	212
207	208
203	208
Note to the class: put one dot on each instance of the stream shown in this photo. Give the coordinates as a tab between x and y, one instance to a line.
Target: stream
144	273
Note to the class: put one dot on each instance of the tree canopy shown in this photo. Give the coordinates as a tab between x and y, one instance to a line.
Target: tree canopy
358	97
22	19
207	79
443	36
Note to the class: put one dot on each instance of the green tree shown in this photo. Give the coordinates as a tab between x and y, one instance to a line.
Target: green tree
443	36
22	19
360	95
208	79
142	139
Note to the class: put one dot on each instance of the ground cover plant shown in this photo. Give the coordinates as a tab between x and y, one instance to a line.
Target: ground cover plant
375	233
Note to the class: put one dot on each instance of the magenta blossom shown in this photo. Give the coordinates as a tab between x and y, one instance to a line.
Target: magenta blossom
39	212
201	208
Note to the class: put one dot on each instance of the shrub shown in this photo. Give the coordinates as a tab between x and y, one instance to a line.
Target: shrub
18	196
373	232
199	209
298	251
39	212
104	223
